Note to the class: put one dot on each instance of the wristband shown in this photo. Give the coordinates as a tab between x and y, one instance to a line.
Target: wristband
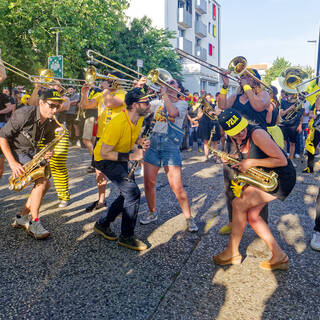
246	87
123	156
223	91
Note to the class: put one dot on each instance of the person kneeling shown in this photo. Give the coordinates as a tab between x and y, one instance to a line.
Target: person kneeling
111	154
255	149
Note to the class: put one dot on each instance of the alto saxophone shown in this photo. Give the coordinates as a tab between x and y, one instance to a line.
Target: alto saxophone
38	167
256	177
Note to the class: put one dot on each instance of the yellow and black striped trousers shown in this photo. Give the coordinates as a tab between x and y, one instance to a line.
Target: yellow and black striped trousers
58	165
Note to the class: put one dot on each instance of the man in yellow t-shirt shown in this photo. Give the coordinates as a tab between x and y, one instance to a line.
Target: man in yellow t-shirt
109	102
112	153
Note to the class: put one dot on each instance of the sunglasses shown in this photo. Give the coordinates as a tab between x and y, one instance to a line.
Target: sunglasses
145	102
171	82
54	105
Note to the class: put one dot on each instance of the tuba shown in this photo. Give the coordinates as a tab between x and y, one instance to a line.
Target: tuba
38	167
256	177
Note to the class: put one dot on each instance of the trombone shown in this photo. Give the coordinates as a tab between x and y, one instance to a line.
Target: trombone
155	77
302	84
237	67
46	76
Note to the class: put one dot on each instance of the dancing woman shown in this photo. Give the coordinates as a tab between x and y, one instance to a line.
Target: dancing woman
258	150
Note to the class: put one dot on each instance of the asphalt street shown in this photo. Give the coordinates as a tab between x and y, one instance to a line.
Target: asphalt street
76	274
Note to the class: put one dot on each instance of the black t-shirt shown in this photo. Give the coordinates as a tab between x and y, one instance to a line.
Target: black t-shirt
295	121
4	99
92	112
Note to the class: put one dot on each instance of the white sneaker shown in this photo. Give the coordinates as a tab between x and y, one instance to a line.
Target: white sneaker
78	143
63	204
294	165
192	227
315	242
37	231
137	172
297	156
21	221
149	217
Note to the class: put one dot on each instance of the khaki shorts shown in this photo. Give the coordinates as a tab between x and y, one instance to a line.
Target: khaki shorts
88	128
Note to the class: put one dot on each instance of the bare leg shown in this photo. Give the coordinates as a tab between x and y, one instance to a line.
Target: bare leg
1	166
101	184
150	178
292	147
206	149
175	181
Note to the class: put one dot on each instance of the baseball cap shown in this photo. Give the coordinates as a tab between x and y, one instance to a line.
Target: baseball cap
51	94
231	122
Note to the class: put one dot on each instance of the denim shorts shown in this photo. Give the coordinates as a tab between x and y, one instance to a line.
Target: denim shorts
163	152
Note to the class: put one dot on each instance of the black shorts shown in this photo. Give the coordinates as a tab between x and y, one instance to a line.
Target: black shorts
290	133
205	128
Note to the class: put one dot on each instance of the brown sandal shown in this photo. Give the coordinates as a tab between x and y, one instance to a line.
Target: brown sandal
233	260
281	265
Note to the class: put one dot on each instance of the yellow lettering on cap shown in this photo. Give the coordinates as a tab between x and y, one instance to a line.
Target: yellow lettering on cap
232	121
56	93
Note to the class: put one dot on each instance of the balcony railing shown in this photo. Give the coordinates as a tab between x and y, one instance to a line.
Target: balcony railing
184	44
200	29
201	53
201	6
184	18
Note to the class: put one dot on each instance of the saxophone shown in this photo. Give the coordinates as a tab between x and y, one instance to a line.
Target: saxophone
38	167
256	177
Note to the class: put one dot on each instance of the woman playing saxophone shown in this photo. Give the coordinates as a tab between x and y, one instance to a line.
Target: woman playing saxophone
255	149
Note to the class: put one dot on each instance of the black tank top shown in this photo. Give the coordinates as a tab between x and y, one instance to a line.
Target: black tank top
249	113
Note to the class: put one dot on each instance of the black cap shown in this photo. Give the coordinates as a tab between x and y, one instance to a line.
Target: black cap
231	122
51	94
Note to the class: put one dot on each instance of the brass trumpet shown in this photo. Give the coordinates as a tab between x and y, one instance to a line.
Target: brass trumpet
207	110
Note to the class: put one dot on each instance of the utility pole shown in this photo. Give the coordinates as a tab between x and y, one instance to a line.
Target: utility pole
57	29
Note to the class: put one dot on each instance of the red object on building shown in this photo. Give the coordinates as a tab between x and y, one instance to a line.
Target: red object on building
214	13
210	49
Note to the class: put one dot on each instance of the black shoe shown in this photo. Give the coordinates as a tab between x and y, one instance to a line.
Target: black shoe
132	243
106	232
91	170
95	206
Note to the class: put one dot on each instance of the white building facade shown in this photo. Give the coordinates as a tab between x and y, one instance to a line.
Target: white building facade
198	28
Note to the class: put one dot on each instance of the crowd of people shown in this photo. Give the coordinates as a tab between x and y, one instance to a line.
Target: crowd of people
253	126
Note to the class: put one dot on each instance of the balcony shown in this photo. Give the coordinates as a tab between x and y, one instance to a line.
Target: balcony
200	29
184	18
201	6
184	44
200	53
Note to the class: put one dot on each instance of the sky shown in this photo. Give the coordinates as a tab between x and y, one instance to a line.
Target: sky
262	30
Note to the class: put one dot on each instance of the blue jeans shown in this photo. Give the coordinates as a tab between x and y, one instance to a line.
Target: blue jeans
194	136
128	201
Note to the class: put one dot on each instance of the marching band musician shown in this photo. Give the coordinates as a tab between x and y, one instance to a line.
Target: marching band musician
19	140
314	135
255	148
290	129
165	151
109	103
111	154
251	102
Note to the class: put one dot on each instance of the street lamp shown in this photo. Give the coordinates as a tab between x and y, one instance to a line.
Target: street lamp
58	29
315	53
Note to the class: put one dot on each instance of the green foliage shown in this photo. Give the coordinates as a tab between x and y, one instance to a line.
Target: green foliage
278	66
141	41
27	40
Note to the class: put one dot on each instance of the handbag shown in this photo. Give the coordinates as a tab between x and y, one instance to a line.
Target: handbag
175	134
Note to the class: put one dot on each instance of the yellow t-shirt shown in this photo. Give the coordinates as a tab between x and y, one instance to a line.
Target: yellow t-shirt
105	114
120	133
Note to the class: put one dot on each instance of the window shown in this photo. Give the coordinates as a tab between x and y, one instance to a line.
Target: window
214	31
180	4
214	12
210	49
181	32
189	6
209	27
